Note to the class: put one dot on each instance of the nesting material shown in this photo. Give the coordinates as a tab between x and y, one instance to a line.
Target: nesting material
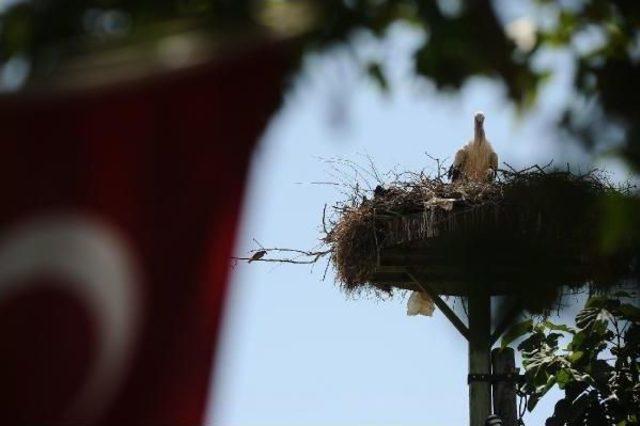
420	304
533	231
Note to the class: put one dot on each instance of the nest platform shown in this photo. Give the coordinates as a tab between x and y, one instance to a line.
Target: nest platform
529	234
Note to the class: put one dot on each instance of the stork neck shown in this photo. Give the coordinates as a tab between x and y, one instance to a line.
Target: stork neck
479	133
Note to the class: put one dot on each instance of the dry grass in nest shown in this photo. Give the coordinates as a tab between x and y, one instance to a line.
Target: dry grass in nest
570	207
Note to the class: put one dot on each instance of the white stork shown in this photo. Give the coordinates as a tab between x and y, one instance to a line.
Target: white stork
476	161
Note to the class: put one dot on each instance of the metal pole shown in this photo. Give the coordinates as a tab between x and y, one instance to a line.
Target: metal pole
479	356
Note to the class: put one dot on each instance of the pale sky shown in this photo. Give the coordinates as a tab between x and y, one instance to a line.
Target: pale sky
297	351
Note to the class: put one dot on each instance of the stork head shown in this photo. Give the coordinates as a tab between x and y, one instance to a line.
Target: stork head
479	118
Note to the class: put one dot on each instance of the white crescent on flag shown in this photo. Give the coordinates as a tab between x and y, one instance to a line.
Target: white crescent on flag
87	258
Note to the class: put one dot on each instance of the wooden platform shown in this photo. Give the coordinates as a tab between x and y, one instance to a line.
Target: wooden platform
467	249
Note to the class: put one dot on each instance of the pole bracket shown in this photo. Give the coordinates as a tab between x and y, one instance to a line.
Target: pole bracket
495	378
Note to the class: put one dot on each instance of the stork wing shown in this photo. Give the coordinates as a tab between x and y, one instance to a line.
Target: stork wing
493	161
460	159
458	163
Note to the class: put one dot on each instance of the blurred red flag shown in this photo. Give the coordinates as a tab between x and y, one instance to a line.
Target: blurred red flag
119	210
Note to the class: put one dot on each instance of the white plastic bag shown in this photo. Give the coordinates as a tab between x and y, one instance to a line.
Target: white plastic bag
420	304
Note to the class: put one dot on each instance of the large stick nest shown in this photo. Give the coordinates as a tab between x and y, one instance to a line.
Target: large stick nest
530	226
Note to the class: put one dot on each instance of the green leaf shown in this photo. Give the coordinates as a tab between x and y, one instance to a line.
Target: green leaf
552	339
588	316
516	331
600	327
630	312
563	377
558	327
533	401
575	356
543	389
578	339
580	405
532	343
597	302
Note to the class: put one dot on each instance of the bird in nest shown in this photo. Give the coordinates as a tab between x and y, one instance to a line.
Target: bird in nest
380	191
476	161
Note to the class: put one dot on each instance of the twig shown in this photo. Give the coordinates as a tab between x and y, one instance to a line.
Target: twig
324	222
441	171
297	262
288	250
258	243
323	183
509	166
313	256
326	268
374	170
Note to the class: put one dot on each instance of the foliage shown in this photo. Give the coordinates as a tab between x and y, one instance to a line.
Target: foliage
598	369
464	39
